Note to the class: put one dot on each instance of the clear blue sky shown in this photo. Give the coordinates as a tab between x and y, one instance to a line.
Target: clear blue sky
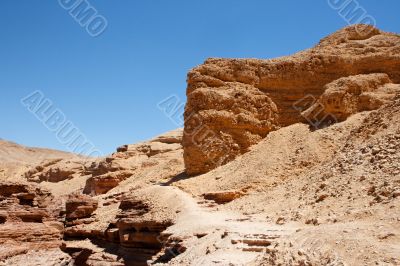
109	86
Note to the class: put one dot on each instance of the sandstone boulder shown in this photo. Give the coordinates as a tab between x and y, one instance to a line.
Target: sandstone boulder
222	197
174	136
98	185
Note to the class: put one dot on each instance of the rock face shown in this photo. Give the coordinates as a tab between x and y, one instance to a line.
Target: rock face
222	123
107	173
133	235
101	184
55	170
27	220
234	103
110	214
138	233
24	203
353	94
80	206
222	197
78	212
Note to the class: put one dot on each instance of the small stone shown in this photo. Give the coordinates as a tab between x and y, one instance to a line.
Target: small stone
322	197
313	221
280	221
396	193
385	236
375	150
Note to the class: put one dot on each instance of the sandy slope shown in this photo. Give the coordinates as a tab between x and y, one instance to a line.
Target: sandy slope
339	186
325	197
16	159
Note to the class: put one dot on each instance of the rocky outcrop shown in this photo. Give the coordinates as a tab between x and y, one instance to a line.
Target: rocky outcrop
55	170
16	160
234	103
131	238
97	185
222	197
78	213
91	223
80	206
24	203
129	160
222	123
353	94
118	227
135	232
174	136
28	220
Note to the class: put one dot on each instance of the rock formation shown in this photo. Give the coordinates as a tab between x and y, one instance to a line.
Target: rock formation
15	159
234	103
28	220
79	206
350	95
130	159
313	145
55	170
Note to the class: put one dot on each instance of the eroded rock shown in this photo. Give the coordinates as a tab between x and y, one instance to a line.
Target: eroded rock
353	94
80	206
55	170
222	197
28	221
234	103
129	160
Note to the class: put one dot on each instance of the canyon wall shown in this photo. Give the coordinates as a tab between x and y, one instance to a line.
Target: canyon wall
234	103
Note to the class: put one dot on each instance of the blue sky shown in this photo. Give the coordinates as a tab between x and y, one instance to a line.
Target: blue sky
109	86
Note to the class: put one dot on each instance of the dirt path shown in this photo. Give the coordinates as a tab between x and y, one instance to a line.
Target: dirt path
227	238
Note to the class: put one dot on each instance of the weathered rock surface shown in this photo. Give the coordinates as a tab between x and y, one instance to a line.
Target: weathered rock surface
79	206
234	103
15	159
97	185
222	197
353	94
55	170
111	224
28	221
136	232
129	160
132	237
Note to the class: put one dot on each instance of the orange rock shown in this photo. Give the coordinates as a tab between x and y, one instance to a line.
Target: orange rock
353	94
234	103
27	220
80	206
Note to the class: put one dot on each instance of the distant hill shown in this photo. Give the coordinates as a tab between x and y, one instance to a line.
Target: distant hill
15	158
